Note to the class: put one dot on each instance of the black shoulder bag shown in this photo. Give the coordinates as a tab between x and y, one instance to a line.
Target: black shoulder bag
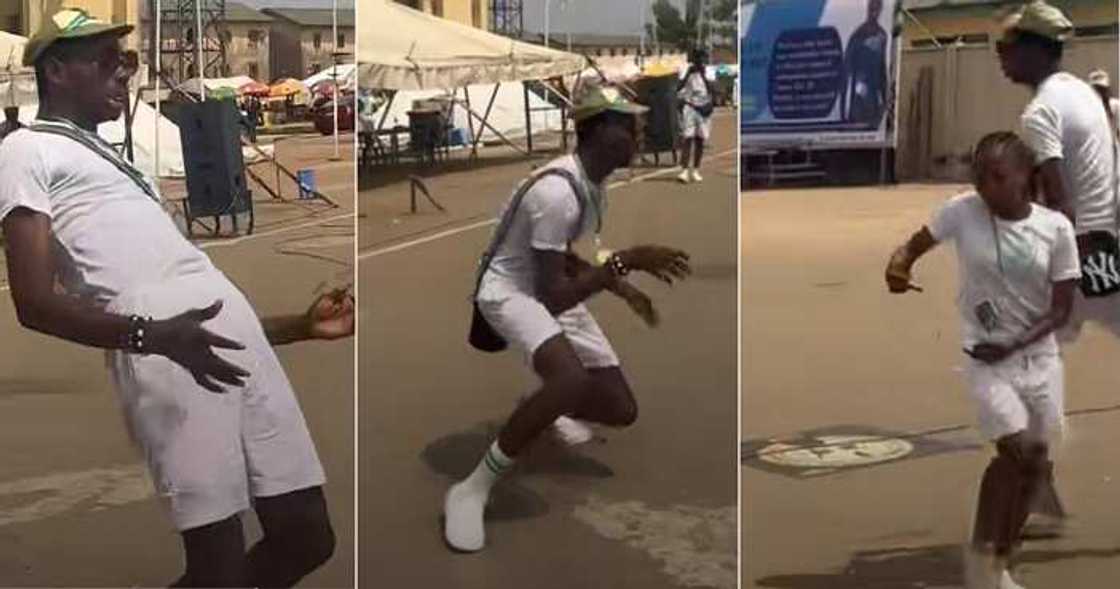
482	335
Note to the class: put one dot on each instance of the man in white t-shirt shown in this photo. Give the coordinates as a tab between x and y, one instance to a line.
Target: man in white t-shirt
1100	82
1070	133
1018	268
694	91
204	395
531	293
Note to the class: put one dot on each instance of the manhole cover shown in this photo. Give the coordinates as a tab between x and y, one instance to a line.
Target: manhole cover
836	451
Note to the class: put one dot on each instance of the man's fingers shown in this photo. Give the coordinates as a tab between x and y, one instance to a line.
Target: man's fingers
205	314
912	286
217	341
219	364
206	383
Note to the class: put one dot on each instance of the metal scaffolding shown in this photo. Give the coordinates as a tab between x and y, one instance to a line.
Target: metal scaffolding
507	17
182	48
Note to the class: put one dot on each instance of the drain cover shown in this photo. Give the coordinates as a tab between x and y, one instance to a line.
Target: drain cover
836	452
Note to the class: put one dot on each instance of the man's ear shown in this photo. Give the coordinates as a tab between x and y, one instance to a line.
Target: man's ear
55	71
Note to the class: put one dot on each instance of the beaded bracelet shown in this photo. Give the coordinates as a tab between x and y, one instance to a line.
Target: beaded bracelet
137	326
617	266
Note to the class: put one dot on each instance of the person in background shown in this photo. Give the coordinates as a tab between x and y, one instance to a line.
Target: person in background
11	121
695	94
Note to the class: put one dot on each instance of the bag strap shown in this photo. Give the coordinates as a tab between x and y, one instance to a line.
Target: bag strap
64	130
506	221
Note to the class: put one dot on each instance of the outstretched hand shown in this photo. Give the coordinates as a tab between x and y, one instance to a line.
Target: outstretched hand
183	340
332	315
664	263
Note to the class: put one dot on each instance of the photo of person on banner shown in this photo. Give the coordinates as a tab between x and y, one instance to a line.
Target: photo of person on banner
863	91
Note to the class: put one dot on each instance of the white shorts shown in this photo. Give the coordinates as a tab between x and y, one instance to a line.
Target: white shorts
1104	311
526	324
1022	393
693	125
209	454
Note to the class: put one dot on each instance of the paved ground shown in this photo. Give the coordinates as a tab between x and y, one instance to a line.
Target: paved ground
651	507
76	507
828	353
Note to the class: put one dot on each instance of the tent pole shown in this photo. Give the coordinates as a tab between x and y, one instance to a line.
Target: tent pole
381	123
158	17
528	118
470	121
475	140
487	125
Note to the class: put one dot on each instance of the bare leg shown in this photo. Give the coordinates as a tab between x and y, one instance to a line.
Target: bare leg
297	538
215	555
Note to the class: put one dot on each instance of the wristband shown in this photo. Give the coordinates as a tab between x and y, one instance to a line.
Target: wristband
137	329
617	267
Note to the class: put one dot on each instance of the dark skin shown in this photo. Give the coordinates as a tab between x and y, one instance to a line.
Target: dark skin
88	88
1006	188
563	280
88	92
694	147
1029	66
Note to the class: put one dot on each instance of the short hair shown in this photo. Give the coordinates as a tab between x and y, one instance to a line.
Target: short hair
1001	144
1051	47
63	50
586	127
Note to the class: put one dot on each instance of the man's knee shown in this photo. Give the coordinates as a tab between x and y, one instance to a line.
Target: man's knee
612	391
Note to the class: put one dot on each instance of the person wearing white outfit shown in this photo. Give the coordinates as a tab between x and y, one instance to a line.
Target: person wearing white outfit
93	258
695	95
1018	269
531	290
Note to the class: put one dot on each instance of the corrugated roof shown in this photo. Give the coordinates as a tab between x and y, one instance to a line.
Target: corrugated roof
312	17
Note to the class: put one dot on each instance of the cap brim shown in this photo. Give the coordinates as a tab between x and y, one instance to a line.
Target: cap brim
629	108
97	30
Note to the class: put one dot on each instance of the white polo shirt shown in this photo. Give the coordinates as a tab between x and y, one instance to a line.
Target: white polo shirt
1067	120
1014	280
109	235
547	219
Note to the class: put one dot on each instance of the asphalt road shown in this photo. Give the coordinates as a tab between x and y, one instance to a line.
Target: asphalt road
653	506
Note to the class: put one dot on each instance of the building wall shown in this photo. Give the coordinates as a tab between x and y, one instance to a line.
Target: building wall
978	20
474	13
242	52
286	50
939	126
127	11
315	58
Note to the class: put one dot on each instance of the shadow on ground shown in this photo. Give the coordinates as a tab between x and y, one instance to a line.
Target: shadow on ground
931	567
455	455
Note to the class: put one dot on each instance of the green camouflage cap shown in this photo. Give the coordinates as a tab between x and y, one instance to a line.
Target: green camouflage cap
68	23
1039	18
599	99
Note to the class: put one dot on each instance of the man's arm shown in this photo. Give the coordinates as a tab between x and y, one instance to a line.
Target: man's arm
1061	304
1055	195
331	316
904	258
561	285
31	275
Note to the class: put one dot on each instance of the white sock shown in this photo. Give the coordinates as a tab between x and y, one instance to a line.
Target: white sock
465	502
493	464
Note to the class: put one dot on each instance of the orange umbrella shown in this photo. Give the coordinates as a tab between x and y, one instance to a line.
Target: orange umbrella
254	89
287	87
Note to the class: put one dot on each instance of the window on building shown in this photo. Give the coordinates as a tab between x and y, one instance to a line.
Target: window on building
612	52
317	41
255	37
476	13
254	71
625	51
227	36
437	7
341	39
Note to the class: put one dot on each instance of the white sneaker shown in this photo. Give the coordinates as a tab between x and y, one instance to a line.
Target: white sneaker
696	176
1006	582
684	177
462	518
572	432
979	570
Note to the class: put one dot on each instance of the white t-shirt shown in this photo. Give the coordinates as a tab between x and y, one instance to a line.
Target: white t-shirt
1066	120
108	234
547	219
695	90
1005	289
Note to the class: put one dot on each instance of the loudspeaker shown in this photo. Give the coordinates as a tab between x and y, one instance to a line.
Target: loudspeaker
211	136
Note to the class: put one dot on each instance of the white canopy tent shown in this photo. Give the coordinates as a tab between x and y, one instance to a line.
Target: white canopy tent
421	52
17	82
213	84
404	49
346	73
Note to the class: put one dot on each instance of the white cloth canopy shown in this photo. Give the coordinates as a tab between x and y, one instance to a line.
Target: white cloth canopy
344	71
400	48
17	83
213	84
